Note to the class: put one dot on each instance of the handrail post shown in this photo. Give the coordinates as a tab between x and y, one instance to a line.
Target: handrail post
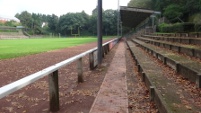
91	61
106	50
198	80
92	64
54	91
103	52
80	71
108	47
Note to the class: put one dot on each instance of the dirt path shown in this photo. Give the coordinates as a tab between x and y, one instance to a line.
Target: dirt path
74	98
14	69
35	97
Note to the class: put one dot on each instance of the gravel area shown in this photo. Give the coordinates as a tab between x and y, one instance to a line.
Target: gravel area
74	97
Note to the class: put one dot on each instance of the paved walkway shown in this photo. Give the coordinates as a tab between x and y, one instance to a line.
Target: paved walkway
112	96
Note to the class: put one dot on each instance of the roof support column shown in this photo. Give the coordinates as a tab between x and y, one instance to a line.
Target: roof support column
118	18
99	31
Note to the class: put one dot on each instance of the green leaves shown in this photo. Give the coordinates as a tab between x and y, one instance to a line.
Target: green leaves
173	11
87	24
141	4
52	22
32	22
25	18
72	21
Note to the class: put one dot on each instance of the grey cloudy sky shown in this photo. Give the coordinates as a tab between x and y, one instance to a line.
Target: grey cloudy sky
59	7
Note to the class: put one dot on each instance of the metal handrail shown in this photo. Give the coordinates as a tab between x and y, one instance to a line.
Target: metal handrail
12	87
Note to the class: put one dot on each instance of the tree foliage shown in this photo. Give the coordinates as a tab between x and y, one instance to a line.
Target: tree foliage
25	18
52	22
109	22
173	12
32	22
182	9
70	22
11	23
141	4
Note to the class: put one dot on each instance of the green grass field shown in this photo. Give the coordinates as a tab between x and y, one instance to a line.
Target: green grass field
22	47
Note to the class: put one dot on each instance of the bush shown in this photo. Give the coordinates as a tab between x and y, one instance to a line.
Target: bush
198	28
177	27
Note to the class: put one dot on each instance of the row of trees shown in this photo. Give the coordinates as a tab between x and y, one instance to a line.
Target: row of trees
11	23
69	23
174	10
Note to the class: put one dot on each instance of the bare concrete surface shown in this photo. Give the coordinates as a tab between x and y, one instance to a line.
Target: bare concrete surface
112	96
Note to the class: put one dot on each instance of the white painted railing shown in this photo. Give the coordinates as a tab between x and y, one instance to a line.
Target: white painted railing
52	72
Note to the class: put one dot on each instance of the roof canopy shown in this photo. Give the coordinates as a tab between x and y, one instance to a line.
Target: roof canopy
131	17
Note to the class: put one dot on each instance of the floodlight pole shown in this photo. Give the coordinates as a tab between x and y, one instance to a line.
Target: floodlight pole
118	18
121	29
99	31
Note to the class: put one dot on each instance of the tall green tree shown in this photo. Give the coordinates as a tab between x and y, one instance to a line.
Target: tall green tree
173	12
110	22
87	24
11	23
141	4
172	9
36	23
93	22
25	18
72	21
52	22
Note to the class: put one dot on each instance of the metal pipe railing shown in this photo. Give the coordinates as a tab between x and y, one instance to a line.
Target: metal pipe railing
52	73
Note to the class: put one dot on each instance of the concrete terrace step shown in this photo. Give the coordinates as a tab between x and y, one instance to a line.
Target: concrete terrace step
12	35
188	68
112	96
195	34
163	91
190	50
185	40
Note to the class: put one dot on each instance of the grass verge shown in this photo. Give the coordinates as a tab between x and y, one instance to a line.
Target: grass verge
22	47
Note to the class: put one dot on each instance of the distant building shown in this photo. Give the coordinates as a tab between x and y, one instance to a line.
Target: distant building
6	18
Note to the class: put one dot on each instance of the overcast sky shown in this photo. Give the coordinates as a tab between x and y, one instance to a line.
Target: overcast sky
59	7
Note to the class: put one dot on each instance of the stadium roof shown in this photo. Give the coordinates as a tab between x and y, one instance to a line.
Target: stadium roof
132	17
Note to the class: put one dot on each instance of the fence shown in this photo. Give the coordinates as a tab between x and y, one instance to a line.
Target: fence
52	73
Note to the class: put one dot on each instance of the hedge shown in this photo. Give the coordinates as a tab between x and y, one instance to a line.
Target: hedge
177	27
